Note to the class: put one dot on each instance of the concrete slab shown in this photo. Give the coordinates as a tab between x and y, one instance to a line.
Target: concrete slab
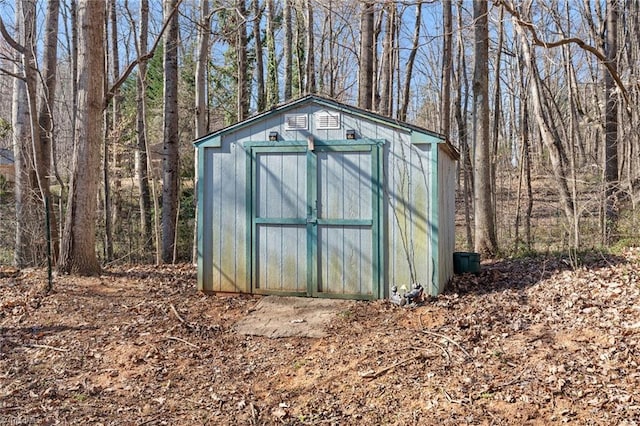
276	316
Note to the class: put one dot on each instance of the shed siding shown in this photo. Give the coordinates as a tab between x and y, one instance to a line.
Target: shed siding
446	216
417	212
408	192
281	185
224	215
345	193
282	264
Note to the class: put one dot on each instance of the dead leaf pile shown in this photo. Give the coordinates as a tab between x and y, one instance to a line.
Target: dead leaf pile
528	341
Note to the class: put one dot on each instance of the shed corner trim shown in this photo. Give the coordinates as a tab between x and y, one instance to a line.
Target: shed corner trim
209	141
420	138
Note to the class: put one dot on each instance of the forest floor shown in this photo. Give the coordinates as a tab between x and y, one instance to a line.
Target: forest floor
526	342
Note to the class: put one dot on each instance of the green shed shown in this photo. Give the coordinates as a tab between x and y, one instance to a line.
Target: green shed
318	198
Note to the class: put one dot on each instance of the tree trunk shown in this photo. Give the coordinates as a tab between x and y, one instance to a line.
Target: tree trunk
24	254
485	232
310	67
287	50
461	116
611	126
141	160
202	63
261	100
171	153
39	183
110	132
447	63
497	107
78	254
242	65
406	92
365	69
272	61
385	105
550	140
45	114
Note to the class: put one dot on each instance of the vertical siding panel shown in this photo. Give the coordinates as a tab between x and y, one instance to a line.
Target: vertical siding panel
216	213
206	212
399	221
446	241
281	194
408	194
227	220
345	251
240	235
420	206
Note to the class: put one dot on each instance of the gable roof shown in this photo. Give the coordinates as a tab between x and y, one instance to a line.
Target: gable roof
327	102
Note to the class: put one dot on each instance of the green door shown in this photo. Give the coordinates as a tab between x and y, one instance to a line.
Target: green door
315	219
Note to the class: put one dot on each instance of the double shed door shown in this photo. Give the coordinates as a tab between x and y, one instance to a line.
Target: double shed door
315	219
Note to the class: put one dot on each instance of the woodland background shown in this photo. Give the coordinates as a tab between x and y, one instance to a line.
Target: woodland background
101	100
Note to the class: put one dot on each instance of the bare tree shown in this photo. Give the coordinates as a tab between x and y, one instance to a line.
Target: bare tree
406	91
287	50
447	63
201	122
461	116
387	64
242	62
110	129
366	67
45	114
261	100
611	124
170	153
549	135
33	155
78	253
310	68
272	60
142	155
485	232
24	254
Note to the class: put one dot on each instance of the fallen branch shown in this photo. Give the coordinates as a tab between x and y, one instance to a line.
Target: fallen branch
183	341
516	379
53	348
448	339
380	372
443	349
173	308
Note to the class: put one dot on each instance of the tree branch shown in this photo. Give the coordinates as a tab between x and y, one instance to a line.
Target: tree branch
123	77
12	74
12	42
573	40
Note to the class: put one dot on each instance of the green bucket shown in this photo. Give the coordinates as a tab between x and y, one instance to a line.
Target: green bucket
465	262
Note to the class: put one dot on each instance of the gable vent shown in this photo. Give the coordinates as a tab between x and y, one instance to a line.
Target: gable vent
327	120
296	122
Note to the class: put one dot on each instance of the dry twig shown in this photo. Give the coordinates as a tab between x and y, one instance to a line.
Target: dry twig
53	348
183	341
173	308
380	372
448	339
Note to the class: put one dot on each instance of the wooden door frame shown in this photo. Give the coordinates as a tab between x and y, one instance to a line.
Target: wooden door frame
375	147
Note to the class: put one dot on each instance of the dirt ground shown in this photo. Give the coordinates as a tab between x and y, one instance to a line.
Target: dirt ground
527	342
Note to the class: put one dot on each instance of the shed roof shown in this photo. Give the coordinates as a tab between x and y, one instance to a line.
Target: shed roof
6	156
323	101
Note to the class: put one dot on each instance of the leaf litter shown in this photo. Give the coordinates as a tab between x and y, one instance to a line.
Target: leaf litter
528	341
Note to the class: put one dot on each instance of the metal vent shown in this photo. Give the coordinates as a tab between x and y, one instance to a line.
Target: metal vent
296	122
327	120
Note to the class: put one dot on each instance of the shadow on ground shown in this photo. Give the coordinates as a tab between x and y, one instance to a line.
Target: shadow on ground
514	274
